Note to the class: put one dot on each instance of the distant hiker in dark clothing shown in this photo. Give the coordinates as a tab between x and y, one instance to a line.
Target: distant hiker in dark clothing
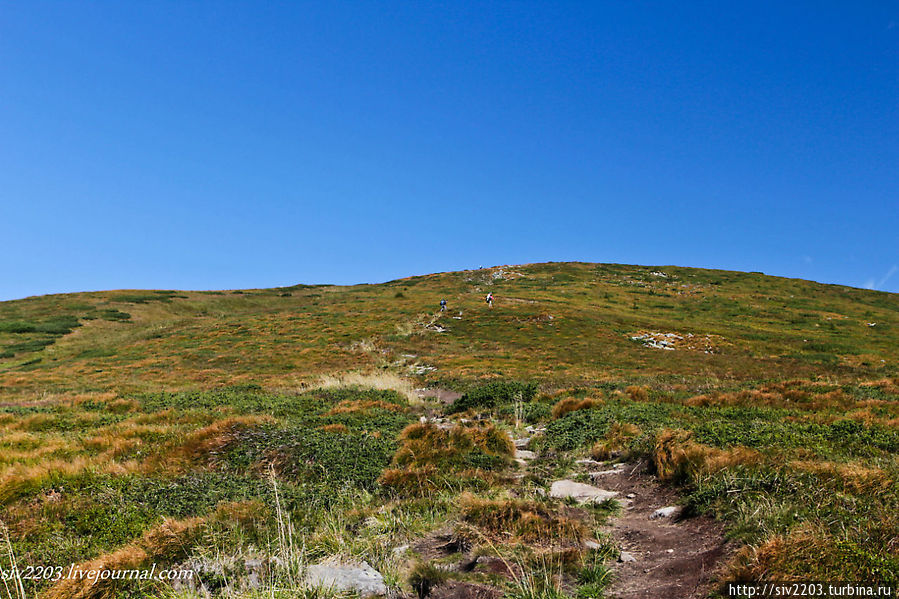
489	300
443	305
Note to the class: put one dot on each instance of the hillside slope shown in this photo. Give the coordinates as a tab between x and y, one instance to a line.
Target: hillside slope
558	322
248	435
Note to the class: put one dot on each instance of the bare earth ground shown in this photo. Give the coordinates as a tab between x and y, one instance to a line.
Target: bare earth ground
444	396
674	559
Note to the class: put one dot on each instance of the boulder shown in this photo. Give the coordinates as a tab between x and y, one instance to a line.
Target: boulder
360	578
563	489
672	511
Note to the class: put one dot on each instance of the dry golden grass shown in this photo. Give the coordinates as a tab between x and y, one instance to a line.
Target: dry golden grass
885	384
167	417
415	481
200	445
20	479
241	513
808	552
765	562
517	520
616	440
677	457
119	406
106	397
850	478
431	457
25	447
350	406
165	543
382	380
572	404
113	448
334	428
774	395
637	392
428	444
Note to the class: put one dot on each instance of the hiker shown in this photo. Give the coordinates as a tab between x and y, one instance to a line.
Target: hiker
489	300
443	305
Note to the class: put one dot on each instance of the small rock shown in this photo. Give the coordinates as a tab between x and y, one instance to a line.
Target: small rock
672	511
626	558
360	578
563	489
588	462
521	443
523	454
669	551
399	551
631	495
591	544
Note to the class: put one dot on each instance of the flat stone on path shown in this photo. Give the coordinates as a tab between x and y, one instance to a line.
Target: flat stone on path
360	578
563	489
523	454
672	511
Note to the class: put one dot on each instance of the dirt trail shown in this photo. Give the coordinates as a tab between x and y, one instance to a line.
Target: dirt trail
673	558
662	557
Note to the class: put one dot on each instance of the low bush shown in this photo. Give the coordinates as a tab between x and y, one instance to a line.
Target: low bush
493	395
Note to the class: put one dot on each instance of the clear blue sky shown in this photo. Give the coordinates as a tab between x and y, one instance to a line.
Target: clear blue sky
209	145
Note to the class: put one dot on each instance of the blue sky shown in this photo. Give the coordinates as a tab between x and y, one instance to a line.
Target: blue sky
206	145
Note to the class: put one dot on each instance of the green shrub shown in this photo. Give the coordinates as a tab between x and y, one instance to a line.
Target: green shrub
59	325
17	326
495	394
114	315
301	454
29	346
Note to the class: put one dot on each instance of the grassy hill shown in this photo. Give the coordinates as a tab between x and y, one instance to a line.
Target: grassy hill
192	427
561	324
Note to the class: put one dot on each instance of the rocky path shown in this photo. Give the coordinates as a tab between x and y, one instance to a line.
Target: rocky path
662	555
